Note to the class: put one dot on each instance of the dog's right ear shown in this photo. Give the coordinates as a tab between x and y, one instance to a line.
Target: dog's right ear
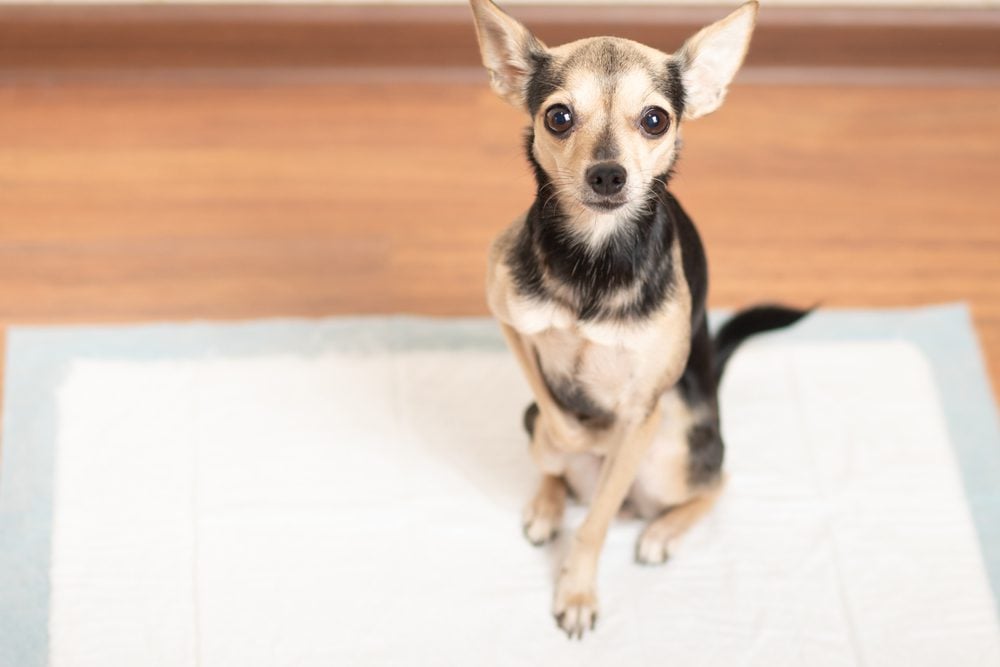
510	53
710	59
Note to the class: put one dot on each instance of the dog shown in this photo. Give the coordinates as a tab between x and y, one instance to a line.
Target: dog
600	287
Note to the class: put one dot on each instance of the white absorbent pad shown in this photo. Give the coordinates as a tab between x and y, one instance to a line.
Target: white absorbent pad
358	501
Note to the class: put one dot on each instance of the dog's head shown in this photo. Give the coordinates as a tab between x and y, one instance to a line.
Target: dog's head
605	111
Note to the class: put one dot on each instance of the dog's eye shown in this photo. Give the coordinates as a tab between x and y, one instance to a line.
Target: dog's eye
558	118
655	121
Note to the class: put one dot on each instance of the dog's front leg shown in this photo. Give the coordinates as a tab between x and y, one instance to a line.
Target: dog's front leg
575	603
560	429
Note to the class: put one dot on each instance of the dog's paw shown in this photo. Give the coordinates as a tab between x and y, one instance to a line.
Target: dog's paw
543	515
651	551
653	547
575	611
541	524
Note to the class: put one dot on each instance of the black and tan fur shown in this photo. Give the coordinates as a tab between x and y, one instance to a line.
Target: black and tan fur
600	292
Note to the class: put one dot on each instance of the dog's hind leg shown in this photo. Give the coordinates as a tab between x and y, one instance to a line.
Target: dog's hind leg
681	476
543	515
662	532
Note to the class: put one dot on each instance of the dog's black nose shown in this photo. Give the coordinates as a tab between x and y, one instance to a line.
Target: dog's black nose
607	178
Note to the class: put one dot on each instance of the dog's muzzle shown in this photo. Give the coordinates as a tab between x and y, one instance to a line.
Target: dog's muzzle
606	178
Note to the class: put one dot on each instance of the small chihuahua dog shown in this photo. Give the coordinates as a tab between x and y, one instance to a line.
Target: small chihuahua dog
600	287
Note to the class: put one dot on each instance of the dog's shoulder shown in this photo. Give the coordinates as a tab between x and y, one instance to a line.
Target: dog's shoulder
528	312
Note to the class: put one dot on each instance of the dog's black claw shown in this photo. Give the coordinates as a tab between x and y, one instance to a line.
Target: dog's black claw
530	417
576	632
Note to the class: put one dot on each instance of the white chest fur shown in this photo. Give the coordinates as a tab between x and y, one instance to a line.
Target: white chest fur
620	367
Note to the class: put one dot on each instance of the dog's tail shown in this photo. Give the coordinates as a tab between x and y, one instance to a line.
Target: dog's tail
747	323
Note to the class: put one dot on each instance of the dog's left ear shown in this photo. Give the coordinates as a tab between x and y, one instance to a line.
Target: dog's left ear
710	59
510	52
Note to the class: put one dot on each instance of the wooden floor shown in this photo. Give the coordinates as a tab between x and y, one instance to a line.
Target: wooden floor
124	202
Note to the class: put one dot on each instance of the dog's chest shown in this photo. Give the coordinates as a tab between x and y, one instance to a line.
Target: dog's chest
587	377
599	370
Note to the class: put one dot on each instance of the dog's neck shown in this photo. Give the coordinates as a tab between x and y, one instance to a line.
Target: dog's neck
599	266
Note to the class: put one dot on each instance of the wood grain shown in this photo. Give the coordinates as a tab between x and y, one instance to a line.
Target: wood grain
227	200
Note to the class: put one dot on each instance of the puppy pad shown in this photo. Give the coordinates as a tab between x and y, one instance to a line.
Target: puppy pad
349	492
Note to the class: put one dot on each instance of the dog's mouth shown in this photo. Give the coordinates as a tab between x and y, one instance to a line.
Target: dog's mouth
605	204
